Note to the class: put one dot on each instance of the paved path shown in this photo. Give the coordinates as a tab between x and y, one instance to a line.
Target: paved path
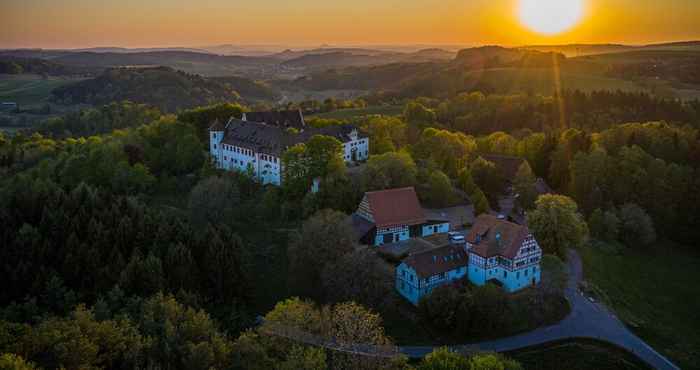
586	320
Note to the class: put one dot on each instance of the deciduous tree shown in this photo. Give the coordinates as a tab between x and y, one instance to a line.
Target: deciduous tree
556	224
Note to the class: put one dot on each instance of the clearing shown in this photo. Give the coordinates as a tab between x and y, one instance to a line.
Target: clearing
654	292
28	89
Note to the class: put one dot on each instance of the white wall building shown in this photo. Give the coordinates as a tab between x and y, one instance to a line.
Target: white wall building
244	145
496	251
394	215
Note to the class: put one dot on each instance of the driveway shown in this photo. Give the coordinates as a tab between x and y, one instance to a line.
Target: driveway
586	320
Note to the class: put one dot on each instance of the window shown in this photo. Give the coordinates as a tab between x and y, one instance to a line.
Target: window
517	275
505	274
214	146
526	271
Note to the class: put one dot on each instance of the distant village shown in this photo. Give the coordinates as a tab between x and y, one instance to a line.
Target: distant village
435	247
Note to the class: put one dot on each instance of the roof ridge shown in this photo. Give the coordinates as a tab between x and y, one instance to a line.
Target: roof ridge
390	190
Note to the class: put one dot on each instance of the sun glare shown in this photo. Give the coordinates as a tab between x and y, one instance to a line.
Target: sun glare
550	17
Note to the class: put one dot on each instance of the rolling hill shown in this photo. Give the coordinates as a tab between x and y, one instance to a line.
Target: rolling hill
162	87
503	70
18	65
575	50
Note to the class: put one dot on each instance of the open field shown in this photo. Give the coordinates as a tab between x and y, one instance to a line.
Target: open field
390	110
655	292
576	354
637	56
29	90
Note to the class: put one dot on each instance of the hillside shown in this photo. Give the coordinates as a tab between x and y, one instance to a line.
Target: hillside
353	58
192	62
163	87
576	50
249	89
494	69
18	65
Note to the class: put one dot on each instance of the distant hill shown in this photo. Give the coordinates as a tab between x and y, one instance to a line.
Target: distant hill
576	50
289	54
162	87
154	58
359	57
249	89
494	69
676	66
193	62
136	50
429	77
497	56
18	65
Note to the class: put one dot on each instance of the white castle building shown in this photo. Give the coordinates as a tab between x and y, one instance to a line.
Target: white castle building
257	142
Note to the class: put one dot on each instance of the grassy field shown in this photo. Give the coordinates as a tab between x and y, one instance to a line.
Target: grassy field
392	110
29	90
577	354
655	292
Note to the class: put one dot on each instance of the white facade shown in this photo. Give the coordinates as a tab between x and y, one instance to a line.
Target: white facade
265	167
515	274
413	288
356	149
392	235
521	272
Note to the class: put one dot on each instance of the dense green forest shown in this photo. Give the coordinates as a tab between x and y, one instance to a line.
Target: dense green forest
123	247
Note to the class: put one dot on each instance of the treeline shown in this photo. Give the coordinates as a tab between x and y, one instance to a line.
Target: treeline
479	114
100	120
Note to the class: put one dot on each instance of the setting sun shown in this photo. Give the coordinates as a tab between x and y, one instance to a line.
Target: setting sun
550	17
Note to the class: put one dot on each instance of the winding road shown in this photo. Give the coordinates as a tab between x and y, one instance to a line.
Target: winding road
586	320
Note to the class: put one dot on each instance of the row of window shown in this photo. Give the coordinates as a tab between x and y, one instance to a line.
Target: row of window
517	273
268	158
238	150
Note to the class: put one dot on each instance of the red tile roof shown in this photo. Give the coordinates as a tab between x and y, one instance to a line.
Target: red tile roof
437	261
395	207
486	243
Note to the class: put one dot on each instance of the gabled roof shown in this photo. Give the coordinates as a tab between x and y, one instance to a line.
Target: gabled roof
286	118
274	140
437	261
492	237
395	207
217	126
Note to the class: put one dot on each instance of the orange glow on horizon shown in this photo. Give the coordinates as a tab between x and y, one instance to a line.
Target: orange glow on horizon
151	23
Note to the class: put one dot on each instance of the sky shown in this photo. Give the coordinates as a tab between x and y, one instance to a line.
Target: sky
190	23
